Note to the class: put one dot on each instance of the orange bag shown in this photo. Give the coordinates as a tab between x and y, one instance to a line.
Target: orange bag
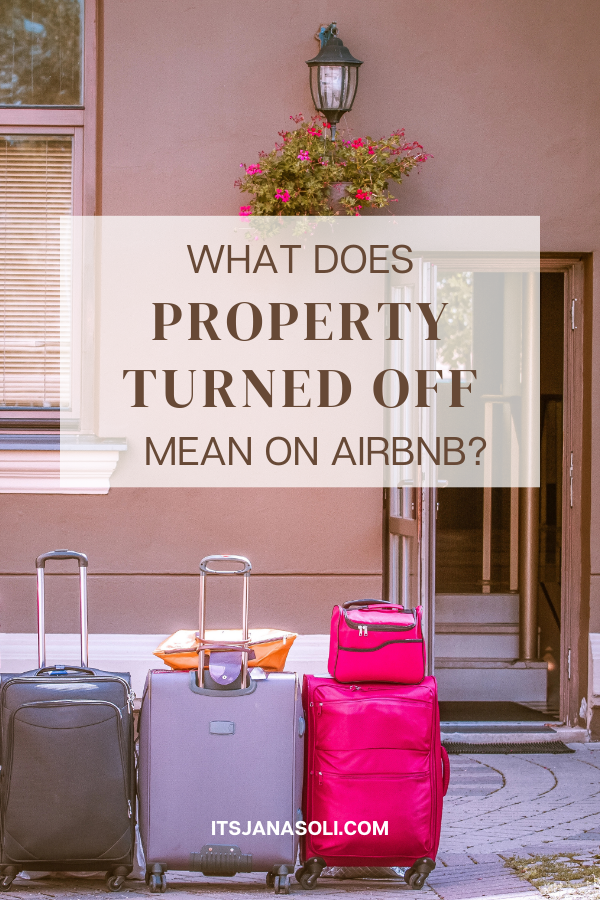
271	647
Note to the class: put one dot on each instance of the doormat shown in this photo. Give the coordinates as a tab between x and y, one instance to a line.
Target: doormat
491	711
538	747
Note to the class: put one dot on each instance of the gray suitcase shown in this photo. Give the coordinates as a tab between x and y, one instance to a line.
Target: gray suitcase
220	766
67	795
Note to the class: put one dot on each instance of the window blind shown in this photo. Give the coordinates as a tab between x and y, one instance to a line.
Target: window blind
36	176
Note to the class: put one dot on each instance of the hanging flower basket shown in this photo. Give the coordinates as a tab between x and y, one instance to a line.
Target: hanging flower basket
307	174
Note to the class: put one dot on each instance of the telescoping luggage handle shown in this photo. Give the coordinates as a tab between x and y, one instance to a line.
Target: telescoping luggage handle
40	564
203	643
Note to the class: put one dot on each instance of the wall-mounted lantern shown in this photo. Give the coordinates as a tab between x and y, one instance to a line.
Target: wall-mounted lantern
333	77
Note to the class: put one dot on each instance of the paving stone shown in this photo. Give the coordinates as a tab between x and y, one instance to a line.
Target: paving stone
456	859
481	858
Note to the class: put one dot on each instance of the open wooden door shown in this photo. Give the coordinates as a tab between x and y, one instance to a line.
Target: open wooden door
409	508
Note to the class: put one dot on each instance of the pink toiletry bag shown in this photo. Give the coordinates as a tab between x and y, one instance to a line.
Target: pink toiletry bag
372	640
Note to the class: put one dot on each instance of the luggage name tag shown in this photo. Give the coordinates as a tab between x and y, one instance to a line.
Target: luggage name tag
225	666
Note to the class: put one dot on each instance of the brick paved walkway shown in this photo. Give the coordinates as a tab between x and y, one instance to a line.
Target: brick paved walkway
503	803
497	806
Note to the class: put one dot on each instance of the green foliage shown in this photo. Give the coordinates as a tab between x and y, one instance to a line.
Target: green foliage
552	875
295	178
455	347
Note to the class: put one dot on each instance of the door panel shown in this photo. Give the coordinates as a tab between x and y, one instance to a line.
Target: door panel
410	502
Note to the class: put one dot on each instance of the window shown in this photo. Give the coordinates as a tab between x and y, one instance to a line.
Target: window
41	52
47	169
36	188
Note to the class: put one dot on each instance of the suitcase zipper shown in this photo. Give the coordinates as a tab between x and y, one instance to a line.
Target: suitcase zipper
380	646
367	776
48	679
385	688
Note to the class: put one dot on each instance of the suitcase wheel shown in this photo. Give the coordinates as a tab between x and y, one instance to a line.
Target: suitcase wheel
308	875
115	882
5	882
282	884
416	881
157	884
115	879
306	880
416	876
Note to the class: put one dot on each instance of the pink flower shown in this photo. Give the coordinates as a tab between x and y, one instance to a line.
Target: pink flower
245	210
358	143
371	150
362	195
314	132
304	155
284	196
254	170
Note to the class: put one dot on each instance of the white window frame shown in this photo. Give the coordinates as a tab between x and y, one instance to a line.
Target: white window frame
30	460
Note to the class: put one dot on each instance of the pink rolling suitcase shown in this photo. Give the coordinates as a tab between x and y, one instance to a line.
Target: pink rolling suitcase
375	776
373	640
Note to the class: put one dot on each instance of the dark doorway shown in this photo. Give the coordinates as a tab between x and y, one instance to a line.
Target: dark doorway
462	580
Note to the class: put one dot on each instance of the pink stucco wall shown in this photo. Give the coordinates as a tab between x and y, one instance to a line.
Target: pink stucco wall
505	94
309	548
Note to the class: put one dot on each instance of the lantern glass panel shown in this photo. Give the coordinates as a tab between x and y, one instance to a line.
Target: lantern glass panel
332	82
351	85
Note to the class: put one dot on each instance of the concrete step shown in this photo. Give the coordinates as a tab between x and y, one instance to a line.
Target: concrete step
472	626
491	679
476	628
452	734
477	644
477	608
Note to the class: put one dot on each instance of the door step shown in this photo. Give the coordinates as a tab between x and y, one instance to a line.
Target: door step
511	733
491	679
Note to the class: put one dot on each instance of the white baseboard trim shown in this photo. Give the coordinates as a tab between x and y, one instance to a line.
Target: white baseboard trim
134	653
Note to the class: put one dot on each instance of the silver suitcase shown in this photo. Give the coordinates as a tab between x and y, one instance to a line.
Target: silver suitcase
221	764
